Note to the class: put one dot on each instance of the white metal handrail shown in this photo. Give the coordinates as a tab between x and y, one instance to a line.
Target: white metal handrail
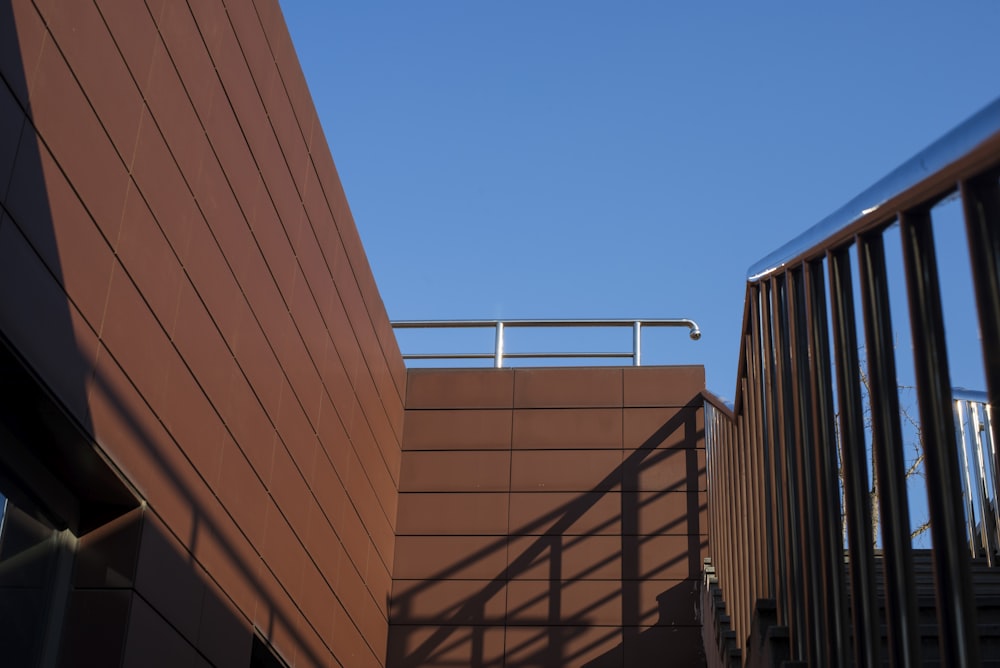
973	427
498	355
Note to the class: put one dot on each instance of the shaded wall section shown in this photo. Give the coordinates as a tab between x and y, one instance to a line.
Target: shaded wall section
550	517
181	274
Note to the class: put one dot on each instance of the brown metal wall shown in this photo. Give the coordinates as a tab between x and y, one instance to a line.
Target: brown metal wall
550	517
180	268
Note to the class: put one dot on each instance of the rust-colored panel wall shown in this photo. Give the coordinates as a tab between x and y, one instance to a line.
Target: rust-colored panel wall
550	517
181	270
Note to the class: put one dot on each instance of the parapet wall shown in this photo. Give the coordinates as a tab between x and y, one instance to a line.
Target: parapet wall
550	517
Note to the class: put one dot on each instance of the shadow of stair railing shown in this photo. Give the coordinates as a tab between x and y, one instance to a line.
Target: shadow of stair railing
543	617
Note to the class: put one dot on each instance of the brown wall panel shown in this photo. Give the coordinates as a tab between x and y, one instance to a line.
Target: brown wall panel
564	603
297	435
664	386
569	388
546	645
427	471
223	637
448	602
457	430
54	334
165	579
148	258
134	34
11	122
24	36
65	121
660	512
565	470
452	514
668	603
459	388
147	629
86	644
572	428
87	276
668	557
450	557
663	427
79	30
565	513
605	523
672	470
644	647
442	647
586	557
241	490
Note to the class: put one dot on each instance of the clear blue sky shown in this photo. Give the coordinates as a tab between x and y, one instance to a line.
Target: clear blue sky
629	159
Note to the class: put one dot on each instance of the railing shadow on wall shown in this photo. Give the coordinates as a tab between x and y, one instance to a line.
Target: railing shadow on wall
550	636
797	433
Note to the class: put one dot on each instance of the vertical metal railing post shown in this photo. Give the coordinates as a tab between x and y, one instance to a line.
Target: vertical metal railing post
854	464
887	448
955	604
498	347
637	343
989	449
962	420
977	429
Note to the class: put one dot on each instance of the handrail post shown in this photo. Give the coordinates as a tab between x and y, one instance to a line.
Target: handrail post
636	343
498	354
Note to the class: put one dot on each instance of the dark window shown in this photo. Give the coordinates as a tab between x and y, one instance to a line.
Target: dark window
262	656
35	561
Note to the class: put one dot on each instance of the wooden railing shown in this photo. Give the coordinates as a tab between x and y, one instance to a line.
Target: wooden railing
796	441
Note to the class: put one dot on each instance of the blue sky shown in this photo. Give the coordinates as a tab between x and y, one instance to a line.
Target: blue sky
632	159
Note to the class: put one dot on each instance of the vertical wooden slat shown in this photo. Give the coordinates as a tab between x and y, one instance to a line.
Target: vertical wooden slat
732	588
743	626
800	393
739	528
854	465
831	549
752	491
711	440
887	446
955	604
765	550
776	493
785	426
